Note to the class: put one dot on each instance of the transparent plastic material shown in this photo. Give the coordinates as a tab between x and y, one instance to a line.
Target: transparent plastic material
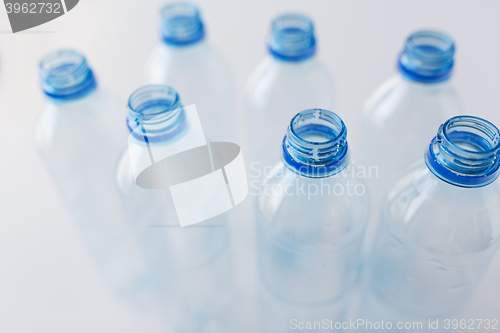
184	59
401	115
310	223
77	137
288	80
438	233
404	112
191	267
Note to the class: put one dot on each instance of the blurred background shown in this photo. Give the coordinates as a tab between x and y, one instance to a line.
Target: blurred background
48	282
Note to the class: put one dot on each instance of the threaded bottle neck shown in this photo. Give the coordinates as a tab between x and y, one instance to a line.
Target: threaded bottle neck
292	38
155	114
181	24
465	152
315	144
427	57
65	75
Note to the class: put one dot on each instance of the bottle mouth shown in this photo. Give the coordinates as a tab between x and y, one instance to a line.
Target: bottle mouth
292	38
427	57
465	152
181	24
155	113
315	144
65	75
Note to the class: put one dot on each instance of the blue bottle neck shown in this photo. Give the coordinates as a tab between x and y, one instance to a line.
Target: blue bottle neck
65	76
315	144
427	57
465	152
181	25
292	38
155	114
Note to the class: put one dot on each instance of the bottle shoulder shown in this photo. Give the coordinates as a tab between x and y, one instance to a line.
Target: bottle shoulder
400	99
273	70
276	83
98	118
200	58
312	210
441	217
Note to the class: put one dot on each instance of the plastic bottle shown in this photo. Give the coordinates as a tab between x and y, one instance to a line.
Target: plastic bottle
439	230
191	267
184	59
77	137
311	215
288	80
405	111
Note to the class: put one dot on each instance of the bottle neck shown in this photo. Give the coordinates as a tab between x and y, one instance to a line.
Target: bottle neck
315	144
66	76
427	57
155	114
465	152
181	25
292	38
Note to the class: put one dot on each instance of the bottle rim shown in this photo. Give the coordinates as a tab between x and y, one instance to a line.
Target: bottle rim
465	152
65	75
181	24
316	158
427	57
292	38
155	113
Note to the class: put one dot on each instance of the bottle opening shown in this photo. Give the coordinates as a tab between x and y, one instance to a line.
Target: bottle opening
155	113
181	24
65	75
315	144
465	152
427	57
292	38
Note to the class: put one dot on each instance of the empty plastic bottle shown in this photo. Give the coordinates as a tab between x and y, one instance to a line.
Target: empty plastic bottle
405	111
288	80
311	215
77	136
191	267
184	59
439	229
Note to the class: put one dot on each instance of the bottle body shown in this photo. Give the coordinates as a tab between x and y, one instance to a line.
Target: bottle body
433	245
404	112
400	117
275	92
439	229
190	267
309	239
79	143
311	213
203	77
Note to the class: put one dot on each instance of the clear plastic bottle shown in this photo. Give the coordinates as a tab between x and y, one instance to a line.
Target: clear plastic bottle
288	80
77	137
191	267
405	111
439	229
184	59
311	215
